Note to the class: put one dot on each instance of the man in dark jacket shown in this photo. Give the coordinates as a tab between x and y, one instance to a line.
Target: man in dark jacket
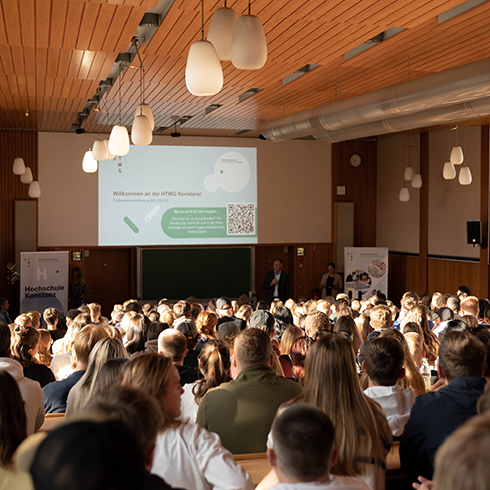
276	283
437	414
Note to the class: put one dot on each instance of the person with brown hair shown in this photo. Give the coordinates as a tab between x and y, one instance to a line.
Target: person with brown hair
384	367
56	393
12	432
419	315
206	327
363	436
186	455
408	301
25	346
241	411
51	317
298	352
43	355
315	322
30	390
437	414
214	366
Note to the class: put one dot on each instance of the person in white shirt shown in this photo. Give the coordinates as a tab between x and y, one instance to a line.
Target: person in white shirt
186	455
383	364
301	452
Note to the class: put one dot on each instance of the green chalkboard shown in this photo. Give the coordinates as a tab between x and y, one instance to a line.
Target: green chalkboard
200	272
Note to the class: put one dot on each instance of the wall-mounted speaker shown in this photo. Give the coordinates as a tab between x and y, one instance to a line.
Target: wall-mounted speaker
473	232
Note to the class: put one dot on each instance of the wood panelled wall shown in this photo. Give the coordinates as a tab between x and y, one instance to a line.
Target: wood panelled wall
13	144
360	186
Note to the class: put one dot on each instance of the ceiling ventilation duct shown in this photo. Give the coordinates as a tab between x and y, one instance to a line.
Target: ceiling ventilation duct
446	88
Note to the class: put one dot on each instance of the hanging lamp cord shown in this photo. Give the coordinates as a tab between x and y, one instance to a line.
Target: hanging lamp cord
120	70
202	25
249	7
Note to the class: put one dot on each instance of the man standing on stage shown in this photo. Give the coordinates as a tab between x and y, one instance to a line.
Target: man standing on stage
276	283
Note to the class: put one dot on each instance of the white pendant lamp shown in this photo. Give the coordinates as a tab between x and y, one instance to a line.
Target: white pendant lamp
141	134
409	173
19	166
89	164
109	155
248	45
119	141
417	181
145	109
220	31
457	156
119	138
99	151
34	189
404	195
203	73
26	177
449	172
465	177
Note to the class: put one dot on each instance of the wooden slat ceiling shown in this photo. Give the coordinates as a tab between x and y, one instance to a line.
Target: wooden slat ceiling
54	53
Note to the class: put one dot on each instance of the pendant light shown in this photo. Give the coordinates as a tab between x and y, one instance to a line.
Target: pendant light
417	181
119	139
109	155
89	164
248	45
19	166
457	156
203	73
220	31
449	172
409	173
26	177
34	189
465	177
99	151
404	195
141	132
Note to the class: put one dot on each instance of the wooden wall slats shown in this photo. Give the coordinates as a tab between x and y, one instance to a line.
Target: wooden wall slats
446	276
484	208
13	144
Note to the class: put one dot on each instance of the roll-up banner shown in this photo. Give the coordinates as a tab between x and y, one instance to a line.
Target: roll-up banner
366	271
44	281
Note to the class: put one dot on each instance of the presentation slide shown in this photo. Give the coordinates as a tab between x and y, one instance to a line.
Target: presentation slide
179	195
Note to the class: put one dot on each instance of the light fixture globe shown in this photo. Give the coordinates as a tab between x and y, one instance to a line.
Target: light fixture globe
457	156
109	155
408	174
145	110
119	141
26	177
19	167
34	189
99	151
141	134
203	73
89	164
404	195
465	177
220	31
417	181
248	45
449	172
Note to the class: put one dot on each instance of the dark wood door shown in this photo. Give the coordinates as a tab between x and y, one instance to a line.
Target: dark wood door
109	277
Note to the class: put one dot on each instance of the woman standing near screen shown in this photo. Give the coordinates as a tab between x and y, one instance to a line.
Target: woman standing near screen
331	283
76	289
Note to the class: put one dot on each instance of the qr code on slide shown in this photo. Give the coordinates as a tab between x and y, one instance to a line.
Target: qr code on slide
241	219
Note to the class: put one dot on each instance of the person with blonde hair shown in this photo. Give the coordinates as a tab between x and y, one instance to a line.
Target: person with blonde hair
61	364
23	321
80	394
167	317
408	301
56	393
186	456
244	312
35	317
290	335
363	436
470	306
416	346
95	312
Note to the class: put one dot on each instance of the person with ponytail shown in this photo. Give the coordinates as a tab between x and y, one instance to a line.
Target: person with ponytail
25	347
214	366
